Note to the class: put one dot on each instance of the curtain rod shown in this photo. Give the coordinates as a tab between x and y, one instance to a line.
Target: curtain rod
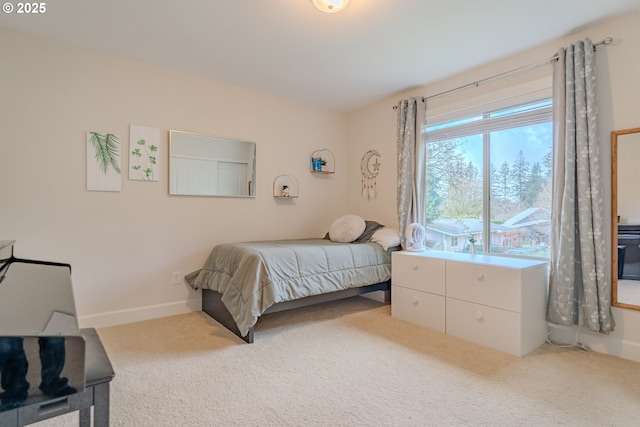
605	41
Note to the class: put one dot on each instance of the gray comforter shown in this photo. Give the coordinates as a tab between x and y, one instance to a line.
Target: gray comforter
253	276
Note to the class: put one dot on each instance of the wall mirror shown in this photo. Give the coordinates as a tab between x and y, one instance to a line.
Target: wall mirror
625	219
203	165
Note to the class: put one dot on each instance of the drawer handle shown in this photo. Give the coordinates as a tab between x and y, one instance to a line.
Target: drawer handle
479	275
414	299
479	315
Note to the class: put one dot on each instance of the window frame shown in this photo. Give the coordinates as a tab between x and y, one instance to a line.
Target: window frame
518	95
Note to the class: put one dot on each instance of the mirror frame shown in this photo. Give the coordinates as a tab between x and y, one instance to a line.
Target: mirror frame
251	162
614	218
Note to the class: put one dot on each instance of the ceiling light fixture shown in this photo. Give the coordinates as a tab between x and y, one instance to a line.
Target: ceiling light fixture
330	6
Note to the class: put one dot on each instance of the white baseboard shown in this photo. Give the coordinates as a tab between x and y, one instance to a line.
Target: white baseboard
112	318
608	344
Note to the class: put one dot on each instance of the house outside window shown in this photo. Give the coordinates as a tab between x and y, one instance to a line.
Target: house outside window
488	178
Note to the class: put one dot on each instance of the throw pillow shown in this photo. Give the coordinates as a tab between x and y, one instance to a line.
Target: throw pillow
370	228
346	229
386	237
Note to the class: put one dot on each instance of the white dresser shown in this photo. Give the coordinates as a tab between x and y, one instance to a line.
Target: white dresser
494	301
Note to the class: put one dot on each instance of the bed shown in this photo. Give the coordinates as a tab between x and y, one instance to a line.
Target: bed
242	281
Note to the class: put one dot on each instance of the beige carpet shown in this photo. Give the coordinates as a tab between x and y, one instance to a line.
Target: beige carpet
349	363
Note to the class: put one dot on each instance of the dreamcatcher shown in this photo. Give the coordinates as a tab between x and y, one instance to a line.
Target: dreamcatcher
370	167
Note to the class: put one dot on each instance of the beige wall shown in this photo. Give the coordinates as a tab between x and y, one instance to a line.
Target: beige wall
374	127
124	246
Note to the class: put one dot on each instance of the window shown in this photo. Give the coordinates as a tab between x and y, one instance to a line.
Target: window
489	178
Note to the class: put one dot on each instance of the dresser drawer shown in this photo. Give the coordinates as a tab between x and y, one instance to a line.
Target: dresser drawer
418	272
421	308
485	284
487	326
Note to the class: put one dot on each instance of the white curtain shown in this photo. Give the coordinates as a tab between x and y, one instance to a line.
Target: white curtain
580	285
411	163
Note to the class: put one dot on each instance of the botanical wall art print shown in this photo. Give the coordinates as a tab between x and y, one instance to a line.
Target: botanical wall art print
143	153
103	162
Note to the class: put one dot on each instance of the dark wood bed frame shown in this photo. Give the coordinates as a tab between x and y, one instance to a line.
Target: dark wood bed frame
213	306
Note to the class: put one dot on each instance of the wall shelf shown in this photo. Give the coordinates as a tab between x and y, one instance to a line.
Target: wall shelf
323	161
285	187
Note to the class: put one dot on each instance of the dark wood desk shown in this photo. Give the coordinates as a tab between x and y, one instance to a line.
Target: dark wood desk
98	375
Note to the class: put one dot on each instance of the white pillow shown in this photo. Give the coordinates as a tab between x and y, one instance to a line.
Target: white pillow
386	237
346	229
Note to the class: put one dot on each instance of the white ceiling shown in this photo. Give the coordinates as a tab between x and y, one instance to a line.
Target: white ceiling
370	51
